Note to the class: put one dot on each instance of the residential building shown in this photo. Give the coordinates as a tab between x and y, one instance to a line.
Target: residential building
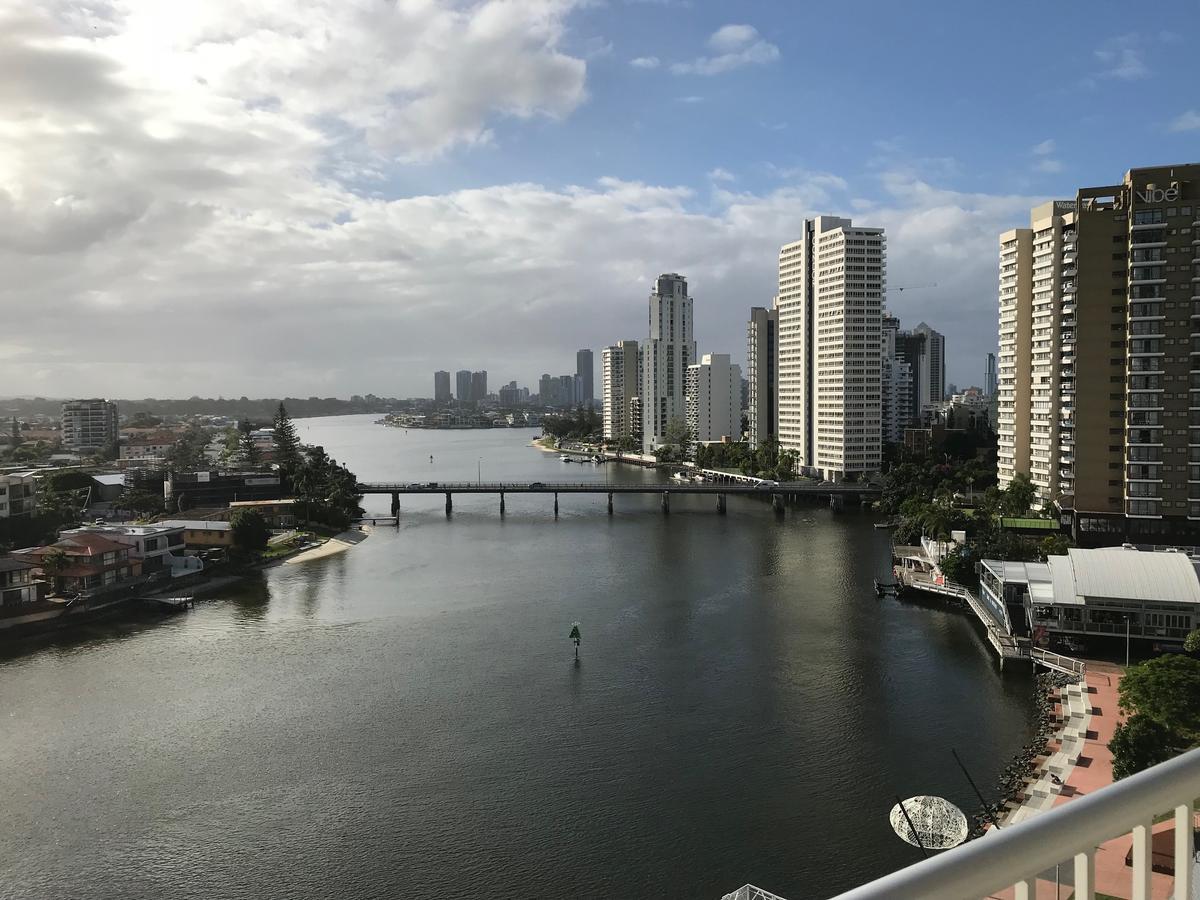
1096	348
830	303
547	389
989	376
762	336
441	387
148	446
566	392
203	533
17	584
18	494
1154	597
933	384
157	547
620	368
277	513
479	388
713	399
88	425
896	384
185	490
462	386
585	371
90	563
511	395
667	353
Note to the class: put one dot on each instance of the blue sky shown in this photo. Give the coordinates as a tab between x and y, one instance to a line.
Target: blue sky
342	197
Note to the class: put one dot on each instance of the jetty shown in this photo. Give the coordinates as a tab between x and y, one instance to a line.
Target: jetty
172	604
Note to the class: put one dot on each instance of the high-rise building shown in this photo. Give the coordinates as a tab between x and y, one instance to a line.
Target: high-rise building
713	398
620	366
1096	372
462	386
830	301
896	387
934	385
479	388
585	372
441	387
989	376
566	393
762	333
88	425
547	389
667	353
512	395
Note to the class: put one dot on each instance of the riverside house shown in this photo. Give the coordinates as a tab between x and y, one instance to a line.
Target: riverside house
82	563
17	584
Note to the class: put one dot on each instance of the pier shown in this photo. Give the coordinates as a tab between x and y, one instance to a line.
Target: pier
173	604
1001	639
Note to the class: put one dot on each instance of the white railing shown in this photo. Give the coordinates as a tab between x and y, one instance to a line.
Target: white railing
1061	663
1014	856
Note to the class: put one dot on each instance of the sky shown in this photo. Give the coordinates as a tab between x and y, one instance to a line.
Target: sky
339	197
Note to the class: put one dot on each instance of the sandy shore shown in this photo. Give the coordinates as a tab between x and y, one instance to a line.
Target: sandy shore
339	544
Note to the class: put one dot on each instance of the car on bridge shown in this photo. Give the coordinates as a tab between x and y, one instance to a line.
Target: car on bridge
537	484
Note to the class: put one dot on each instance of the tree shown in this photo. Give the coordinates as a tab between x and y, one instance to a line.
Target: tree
250	455
1167	689
250	531
1140	743
958	567
287	443
1054	545
143	503
187	454
54	563
1018	497
1191	643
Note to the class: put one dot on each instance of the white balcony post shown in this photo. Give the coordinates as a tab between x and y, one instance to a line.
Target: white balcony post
1085	875
1025	890
1142	846
1183	851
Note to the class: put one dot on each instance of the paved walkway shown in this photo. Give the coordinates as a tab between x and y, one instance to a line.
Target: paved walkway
1080	758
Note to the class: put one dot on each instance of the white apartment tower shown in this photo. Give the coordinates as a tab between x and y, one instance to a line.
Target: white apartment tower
714	398
88	425
666	356
620	368
830	303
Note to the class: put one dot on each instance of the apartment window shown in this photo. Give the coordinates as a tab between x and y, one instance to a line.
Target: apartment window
1148	217
1143	507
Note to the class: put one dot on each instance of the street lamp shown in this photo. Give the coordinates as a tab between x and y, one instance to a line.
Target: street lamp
479	472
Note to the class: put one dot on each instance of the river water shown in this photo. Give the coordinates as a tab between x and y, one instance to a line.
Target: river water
407	718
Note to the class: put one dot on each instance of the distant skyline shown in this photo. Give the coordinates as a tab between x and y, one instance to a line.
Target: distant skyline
344	201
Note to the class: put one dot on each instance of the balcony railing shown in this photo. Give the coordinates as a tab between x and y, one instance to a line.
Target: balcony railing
1016	855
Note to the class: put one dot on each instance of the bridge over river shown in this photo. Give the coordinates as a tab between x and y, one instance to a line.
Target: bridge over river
778	492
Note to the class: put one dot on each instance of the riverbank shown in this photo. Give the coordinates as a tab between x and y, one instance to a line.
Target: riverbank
1075	761
339	543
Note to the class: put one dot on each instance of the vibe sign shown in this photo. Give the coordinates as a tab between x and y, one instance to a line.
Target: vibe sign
1160	195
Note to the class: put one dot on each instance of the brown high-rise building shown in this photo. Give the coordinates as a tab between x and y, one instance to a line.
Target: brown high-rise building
1099	370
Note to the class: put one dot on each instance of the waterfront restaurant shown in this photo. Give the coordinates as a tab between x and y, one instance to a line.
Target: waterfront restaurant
1110	591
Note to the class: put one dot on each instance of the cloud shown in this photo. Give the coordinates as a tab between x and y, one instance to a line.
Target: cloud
734	46
1121	58
1187	121
198	207
719	174
1045	148
690	98
645	62
1048	165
